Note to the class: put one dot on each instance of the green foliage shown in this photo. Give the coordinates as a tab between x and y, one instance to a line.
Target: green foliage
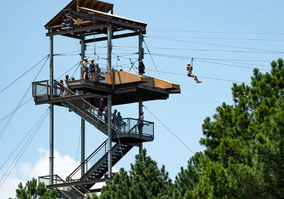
187	179
145	180
244	142
32	190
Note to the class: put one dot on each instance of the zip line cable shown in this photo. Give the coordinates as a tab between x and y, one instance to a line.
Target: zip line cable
75	70
200	60
23	74
20	102
20	143
220	38
222	59
6	116
78	63
152	58
78	146
24	147
169	130
220	45
205	50
231	65
220	32
206	77
14	110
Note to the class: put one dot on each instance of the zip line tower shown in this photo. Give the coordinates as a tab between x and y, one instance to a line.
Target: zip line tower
94	21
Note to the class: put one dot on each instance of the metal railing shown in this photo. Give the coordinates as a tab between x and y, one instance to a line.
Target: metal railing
92	159
137	127
42	88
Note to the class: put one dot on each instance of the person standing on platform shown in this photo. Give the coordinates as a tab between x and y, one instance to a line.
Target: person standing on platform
61	88
114	117
106	116
97	71
118	121
92	70
101	108
67	85
141	68
85	68
140	122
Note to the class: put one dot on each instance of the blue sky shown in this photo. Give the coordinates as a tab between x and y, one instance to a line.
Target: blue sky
226	38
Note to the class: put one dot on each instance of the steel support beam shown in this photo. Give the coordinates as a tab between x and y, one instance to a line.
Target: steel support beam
141	56
51	120
140	111
140	45
113	37
109	48
82	120
78	30
109	105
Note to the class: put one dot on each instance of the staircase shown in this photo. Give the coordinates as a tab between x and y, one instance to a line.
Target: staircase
99	161
88	112
123	141
69	194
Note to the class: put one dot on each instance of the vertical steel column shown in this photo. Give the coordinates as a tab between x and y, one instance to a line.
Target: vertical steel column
109	105
109	101
109	49
82	120
140	45
51	120
141	56
140	111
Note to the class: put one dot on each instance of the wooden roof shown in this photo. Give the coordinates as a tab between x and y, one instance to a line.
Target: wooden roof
91	17
91	4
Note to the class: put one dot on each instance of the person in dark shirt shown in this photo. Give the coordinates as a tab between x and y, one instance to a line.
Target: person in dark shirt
141	68
92	70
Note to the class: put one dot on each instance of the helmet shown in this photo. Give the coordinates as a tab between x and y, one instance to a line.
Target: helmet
85	58
92	60
67	76
188	63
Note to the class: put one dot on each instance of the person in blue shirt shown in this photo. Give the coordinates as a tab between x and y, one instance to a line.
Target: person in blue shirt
118	121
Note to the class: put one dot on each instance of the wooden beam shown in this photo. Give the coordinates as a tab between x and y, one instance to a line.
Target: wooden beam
76	22
64	32
113	37
119	22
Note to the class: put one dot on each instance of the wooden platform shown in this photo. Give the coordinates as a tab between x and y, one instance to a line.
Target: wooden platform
125	87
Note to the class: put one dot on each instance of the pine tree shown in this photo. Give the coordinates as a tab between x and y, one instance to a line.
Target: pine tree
32	190
144	180
244	155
